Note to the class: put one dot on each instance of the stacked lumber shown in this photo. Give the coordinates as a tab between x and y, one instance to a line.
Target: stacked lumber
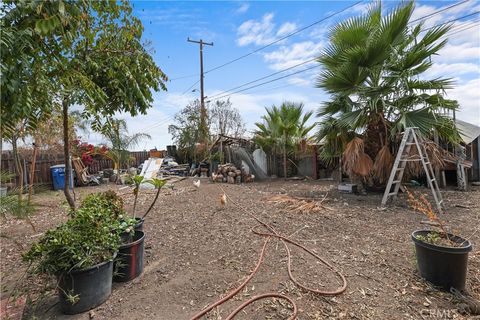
231	174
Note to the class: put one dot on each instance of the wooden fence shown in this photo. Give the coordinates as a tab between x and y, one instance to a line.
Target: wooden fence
45	160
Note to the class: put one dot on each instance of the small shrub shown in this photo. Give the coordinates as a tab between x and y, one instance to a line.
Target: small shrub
90	237
107	201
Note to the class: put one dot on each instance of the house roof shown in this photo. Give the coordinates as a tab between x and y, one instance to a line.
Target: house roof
468	132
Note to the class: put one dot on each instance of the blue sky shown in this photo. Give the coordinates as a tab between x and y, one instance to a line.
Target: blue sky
237	28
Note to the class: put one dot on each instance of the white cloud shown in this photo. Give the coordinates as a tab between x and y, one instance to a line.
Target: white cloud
462	52
243	8
286	28
422	11
290	55
298	81
284	55
451	70
468	96
256	32
321	32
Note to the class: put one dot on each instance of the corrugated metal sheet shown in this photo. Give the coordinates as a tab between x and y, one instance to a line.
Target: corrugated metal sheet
468	131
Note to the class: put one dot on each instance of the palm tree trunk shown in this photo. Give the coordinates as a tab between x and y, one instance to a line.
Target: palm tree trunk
116	167
66	154
376	136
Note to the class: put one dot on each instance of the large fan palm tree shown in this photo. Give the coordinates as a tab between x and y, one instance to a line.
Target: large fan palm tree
373	70
283	128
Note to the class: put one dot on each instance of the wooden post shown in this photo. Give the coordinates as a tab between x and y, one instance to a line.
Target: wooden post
25	178
437	170
32	172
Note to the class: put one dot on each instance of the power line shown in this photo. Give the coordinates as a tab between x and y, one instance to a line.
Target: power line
466	24
273	42
262	78
267	76
276	79
190	87
470	27
160	123
184	77
266	82
307	27
438	11
450	21
171	117
273	88
283	38
223	94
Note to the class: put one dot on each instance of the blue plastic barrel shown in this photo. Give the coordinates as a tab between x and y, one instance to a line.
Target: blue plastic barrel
58	177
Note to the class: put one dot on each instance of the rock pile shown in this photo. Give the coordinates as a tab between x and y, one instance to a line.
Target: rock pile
231	174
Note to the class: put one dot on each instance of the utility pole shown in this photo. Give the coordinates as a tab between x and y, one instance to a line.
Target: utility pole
203	111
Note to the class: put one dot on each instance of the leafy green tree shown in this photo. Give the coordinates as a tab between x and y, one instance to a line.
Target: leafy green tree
283	128
119	142
373	68
87	53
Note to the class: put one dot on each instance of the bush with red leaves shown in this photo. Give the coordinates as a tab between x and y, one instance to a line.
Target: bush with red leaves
87	151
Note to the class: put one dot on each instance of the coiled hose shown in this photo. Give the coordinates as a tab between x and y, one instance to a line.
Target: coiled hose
273	234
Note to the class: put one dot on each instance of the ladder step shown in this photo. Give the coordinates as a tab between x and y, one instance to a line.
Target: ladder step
392	194
396	181
431	180
410	143
400	169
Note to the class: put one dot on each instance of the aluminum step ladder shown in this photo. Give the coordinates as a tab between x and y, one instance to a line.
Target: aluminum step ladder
412	137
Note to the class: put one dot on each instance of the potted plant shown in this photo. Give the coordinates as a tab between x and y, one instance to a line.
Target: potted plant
129	263
442	257
80	254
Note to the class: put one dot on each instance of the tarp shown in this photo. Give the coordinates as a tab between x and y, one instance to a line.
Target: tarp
468	132
150	169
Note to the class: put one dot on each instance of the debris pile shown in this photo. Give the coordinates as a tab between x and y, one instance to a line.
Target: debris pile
298	204
231	174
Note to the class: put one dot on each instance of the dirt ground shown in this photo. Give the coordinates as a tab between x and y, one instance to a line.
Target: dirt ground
197	251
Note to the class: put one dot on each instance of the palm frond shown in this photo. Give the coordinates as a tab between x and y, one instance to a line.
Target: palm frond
383	164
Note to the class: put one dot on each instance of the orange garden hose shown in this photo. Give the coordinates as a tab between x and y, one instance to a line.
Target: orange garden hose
285	240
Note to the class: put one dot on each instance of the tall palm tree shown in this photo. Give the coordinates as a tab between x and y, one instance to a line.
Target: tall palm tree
373	70
283	128
120	142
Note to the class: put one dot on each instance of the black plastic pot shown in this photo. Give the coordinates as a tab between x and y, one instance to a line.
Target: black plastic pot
139	224
445	267
129	262
90	288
